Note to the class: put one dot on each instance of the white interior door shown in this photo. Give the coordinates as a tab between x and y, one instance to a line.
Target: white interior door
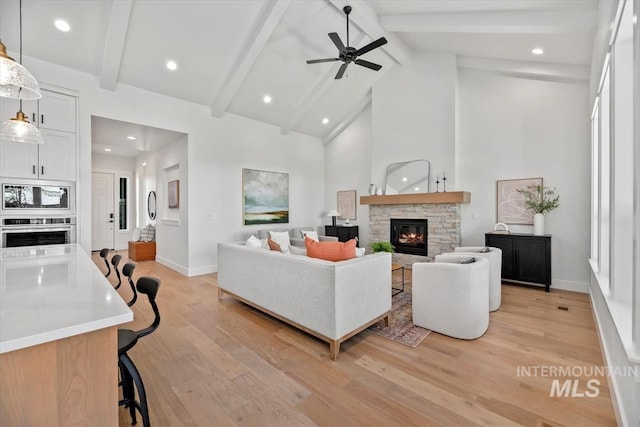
102	213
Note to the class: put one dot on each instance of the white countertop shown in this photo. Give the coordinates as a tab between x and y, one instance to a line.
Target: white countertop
52	292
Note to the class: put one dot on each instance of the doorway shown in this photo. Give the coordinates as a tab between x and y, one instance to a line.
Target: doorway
102	212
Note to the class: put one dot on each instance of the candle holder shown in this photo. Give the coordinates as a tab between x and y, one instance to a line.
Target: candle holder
444	183
437	184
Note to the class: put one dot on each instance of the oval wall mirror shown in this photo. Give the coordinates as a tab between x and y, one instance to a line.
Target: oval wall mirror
151	205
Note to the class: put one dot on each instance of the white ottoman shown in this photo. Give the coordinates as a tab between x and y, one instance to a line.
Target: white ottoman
452	298
494	256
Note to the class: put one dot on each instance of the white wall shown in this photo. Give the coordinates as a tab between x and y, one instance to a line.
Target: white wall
512	128
414	116
218	150
172	225
107	161
348	167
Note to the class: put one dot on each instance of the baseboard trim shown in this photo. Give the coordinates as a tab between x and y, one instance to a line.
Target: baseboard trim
172	265
569	285
207	269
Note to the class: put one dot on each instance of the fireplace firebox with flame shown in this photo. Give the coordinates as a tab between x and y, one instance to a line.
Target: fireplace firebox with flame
409	236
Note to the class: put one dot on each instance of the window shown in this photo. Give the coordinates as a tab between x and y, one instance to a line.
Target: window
123	211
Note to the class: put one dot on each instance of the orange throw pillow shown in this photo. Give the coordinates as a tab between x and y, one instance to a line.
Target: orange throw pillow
331	251
274	246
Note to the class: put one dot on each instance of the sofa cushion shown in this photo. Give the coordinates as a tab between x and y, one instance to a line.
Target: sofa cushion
254	242
281	238
273	245
313	235
331	251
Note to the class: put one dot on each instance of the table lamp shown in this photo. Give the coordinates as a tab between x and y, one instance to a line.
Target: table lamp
333	213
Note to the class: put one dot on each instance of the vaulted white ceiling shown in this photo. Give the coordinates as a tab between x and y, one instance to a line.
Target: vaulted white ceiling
231	53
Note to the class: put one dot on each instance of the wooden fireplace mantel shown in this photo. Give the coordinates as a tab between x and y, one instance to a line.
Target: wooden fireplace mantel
418	198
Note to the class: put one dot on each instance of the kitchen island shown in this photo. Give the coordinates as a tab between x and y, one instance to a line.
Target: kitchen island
58	338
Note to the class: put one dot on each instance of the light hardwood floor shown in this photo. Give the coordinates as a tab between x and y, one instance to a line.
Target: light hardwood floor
217	363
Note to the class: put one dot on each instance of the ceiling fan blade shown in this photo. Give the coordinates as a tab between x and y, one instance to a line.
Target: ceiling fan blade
368	64
341	71
315	61
335	38
371	46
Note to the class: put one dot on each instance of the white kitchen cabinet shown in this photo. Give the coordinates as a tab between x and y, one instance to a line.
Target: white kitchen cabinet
55	116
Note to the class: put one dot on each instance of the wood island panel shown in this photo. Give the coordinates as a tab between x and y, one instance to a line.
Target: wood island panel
409	199
71	381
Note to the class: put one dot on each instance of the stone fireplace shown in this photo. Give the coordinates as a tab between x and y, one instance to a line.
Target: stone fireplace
441	213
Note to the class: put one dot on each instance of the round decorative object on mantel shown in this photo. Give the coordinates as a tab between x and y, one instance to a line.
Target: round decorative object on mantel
379	191
538	224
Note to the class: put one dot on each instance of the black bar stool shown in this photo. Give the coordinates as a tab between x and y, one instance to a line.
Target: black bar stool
127	338
115	260
127	271
104	253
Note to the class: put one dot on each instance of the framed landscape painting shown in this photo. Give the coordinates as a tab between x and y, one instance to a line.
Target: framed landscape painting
510	203
265	197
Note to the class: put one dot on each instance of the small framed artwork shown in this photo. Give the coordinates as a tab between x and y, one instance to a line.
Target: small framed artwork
510	207
173	194
265	197
347	204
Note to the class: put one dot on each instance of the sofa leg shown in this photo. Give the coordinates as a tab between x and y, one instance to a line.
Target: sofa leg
386	320
334	349
220	293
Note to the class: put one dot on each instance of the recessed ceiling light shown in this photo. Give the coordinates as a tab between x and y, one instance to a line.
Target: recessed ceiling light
417	189
144	163
107	149
172	65
131	137
266	99
404	179
325	121
537	51
62	25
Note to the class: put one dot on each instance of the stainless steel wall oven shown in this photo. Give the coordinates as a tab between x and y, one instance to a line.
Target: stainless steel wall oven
37	231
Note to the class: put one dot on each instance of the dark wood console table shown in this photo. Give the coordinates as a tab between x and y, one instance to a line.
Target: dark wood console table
342	232
526	258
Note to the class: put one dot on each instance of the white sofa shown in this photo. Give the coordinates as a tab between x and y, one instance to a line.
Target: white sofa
452	298
329	300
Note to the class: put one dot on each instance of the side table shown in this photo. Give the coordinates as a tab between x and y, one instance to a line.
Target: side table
395	267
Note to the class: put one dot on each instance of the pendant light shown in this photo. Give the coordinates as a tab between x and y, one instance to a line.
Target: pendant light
15	80
18	128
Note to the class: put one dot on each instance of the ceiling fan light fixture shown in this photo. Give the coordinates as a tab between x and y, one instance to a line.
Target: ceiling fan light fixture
18	129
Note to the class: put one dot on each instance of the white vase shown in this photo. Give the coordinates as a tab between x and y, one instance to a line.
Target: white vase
379	191
372	189
538	224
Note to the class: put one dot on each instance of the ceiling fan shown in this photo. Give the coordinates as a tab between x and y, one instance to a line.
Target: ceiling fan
348	54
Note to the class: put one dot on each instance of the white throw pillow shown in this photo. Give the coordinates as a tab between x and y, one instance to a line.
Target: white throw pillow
313	235
281	238
148	233
254	242
135	237
360	252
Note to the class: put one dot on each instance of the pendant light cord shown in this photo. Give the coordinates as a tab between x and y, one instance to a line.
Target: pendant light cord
20	31
20	90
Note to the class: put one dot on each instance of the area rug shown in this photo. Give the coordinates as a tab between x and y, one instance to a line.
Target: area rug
401	328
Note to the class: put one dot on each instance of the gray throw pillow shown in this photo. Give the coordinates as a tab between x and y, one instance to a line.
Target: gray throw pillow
469	260
485	250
